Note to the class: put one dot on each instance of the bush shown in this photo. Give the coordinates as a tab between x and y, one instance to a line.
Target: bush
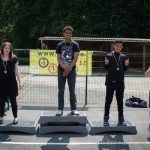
24	61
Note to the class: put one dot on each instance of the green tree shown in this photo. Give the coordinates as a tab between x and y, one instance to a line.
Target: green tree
22	22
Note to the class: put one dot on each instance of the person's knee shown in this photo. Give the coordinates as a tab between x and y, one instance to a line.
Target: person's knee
61	91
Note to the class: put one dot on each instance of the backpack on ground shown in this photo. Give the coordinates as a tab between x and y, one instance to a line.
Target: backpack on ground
136	102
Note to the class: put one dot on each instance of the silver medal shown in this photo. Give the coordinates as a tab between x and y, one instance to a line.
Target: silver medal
5	71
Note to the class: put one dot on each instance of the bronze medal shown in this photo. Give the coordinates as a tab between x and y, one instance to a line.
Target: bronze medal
5	67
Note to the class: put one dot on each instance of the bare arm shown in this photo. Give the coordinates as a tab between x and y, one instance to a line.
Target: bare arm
69	68
76	54
60	61
147	73
17	72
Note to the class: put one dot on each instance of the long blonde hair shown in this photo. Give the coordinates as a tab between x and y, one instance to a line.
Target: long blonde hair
11	55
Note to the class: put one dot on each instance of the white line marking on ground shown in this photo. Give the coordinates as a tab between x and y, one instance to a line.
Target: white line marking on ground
142	122
100	143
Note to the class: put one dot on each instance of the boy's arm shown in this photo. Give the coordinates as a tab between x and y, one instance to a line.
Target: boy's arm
126	63
66	68
60	61
69	68
76	54
58	52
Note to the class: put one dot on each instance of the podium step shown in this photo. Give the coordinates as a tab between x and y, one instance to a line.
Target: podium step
69	129
50	116
50	123
97	127
29	127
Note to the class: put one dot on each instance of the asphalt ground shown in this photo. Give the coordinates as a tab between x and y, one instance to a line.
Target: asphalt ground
65	141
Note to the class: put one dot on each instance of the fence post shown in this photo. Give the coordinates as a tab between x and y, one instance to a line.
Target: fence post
144	57
86	79
149	98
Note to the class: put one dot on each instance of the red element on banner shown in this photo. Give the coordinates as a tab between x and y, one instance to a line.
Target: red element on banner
52	68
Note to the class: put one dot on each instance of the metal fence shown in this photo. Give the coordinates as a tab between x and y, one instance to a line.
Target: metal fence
90	89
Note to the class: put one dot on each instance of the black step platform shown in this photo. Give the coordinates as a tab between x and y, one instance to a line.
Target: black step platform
98	127
29	127
50	123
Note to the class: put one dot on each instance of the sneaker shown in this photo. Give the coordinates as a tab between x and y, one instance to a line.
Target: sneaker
1	120
15	121
106	121
59	113
74	112
121	121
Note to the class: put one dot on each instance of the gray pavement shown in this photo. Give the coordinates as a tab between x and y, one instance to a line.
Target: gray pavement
64	141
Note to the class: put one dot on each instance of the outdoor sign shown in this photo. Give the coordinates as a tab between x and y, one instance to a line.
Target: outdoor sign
44	62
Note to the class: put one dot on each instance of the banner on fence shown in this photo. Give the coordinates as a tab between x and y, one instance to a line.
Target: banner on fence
44	62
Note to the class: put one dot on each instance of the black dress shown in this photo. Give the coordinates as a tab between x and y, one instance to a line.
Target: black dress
8	82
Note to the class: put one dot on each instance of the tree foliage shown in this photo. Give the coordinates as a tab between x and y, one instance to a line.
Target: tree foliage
22	22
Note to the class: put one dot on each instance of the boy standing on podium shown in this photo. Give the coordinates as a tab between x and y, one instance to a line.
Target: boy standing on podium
67	56
116	63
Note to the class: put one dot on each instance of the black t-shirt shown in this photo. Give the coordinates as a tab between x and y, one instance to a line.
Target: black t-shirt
10	68
67	50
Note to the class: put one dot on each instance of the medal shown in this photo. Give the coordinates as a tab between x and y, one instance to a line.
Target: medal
5	67
5	71
117	62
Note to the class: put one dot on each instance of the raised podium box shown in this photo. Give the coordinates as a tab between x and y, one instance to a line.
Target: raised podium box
98	127
50	123
29	127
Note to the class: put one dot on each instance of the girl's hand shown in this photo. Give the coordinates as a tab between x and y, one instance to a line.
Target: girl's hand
20	86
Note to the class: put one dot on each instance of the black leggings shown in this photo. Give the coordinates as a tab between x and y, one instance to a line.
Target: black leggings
13	102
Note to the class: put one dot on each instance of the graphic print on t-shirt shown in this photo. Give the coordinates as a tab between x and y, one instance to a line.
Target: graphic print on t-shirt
67	54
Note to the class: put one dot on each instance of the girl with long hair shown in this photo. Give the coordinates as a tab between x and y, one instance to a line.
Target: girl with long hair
9	71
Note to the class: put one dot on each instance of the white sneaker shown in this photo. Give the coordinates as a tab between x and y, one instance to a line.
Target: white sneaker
59	113
75	112
15	121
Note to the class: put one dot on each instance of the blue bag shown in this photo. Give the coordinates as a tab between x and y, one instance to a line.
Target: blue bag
136	102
